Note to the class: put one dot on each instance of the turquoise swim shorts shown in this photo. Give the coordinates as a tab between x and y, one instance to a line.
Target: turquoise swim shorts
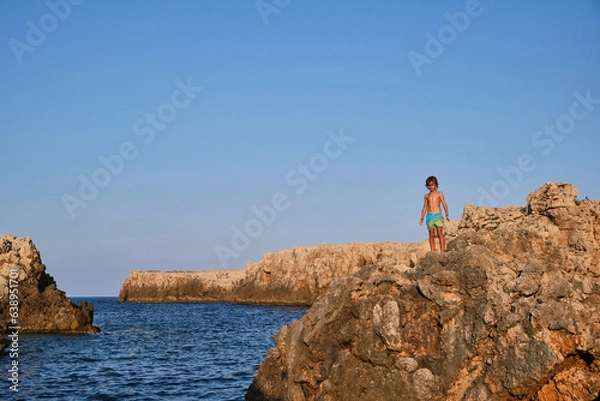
434	220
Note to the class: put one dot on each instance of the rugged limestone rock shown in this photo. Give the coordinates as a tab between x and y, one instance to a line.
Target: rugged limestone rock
552	212
289	277
180	286
42	307
510	312
300	275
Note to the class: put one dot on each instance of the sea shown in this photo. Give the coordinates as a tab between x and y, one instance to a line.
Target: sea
166	351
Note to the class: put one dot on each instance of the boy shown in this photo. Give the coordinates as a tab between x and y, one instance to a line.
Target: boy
434	219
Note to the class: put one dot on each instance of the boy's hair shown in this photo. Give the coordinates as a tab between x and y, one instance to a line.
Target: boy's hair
431	179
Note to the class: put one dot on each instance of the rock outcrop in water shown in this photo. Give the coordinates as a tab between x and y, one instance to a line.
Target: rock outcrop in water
288	277
181	286
510	312
42	308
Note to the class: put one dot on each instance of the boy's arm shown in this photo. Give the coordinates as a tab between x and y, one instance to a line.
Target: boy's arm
445	206
424	210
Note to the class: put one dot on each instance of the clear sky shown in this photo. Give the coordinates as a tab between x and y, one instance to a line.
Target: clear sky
198	135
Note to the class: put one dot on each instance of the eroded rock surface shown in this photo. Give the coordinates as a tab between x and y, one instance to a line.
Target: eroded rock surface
181	286
43	308
510	312
288	277
300	275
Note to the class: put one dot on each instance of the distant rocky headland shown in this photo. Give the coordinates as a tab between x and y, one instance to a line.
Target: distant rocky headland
30	299
510	312
288	277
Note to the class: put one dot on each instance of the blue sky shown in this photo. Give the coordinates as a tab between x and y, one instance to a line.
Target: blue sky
210	110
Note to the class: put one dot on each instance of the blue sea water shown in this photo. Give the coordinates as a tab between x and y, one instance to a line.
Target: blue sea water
149	352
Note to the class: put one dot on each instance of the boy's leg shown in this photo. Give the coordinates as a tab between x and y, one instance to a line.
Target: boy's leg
440	234
432	239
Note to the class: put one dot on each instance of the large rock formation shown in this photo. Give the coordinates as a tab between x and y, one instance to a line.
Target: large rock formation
300	275
288	277
552	212
42	308
180	286
510	312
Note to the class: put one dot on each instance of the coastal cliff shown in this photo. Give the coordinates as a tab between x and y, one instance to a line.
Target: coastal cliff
288	277
42	307
300	275
510	312
180	286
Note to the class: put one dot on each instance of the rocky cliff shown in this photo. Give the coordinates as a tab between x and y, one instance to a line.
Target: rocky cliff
300	275
181	286
288	277
42	308
510	312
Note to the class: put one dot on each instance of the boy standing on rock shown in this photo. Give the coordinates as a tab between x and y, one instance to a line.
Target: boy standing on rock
432	212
